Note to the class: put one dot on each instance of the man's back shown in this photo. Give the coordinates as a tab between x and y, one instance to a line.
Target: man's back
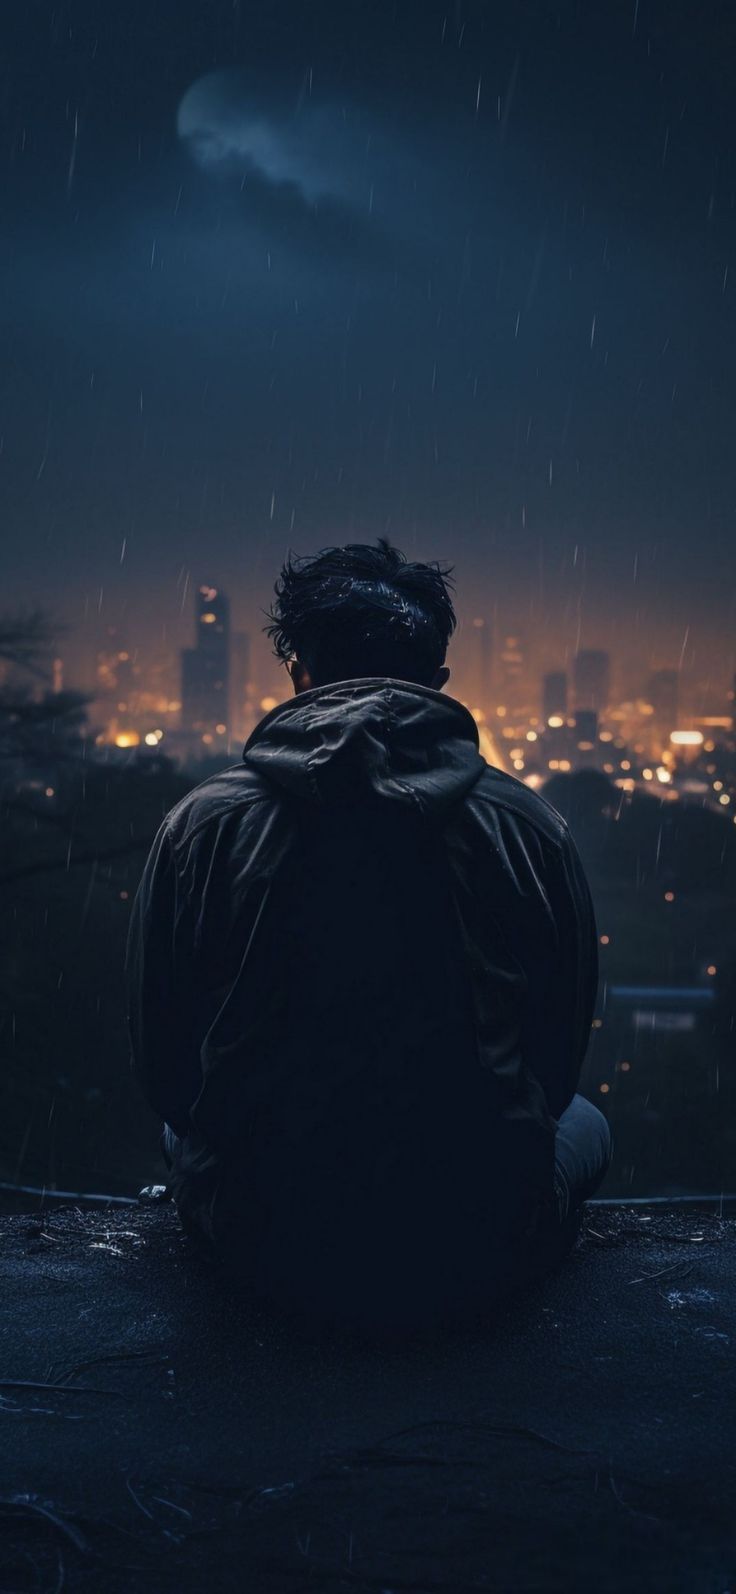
362	969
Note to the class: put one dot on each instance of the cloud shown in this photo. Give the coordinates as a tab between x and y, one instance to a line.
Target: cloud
315	149
320	178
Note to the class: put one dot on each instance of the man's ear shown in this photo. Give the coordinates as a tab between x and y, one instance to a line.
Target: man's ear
441	679
301	678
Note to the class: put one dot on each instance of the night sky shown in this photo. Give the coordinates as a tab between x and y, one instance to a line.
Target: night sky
289	273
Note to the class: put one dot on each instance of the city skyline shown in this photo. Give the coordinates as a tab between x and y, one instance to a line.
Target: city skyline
542	652
206	700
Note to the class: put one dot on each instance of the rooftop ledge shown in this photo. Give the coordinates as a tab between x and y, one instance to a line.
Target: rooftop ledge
161	1438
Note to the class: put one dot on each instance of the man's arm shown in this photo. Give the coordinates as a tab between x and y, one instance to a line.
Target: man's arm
160	990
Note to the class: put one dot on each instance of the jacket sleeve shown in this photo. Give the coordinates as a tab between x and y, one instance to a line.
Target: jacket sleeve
563	1002
160	989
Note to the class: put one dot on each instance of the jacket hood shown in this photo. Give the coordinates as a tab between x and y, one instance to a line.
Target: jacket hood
376	738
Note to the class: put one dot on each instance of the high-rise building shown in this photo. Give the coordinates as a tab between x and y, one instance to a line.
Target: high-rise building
242	707
205	676
663	696
592	680
512	674
586	726
554	695
479	664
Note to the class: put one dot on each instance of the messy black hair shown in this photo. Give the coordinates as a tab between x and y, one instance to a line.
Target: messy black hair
360	611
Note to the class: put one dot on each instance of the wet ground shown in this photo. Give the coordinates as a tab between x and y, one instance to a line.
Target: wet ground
160	1435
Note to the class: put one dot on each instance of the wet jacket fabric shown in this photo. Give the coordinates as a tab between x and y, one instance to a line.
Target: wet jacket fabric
361	972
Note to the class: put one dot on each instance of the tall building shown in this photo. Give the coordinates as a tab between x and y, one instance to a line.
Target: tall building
479	664
592	680
205	673
554	695
663	696
586	727
512	674
242	706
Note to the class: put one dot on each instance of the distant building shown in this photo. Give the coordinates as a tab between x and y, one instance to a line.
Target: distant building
479	666
554	695
512	674
242	707
205	674
592	680
663	696
586	727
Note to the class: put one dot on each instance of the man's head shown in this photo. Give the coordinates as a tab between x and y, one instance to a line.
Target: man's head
360	611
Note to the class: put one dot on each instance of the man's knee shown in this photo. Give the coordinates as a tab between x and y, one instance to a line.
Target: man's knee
584	1148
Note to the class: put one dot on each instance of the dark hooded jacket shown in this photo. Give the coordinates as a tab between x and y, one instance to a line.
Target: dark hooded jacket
362	968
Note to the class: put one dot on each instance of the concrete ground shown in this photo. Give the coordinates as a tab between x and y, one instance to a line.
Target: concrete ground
161	1435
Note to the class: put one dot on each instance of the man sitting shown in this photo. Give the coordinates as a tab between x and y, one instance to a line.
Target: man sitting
362	969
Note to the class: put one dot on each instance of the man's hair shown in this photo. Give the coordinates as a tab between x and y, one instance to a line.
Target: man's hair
363	611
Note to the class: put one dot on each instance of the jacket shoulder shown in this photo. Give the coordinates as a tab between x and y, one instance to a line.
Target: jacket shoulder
228	792
508	795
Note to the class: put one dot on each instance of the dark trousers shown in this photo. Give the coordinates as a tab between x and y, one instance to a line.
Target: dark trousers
583	1147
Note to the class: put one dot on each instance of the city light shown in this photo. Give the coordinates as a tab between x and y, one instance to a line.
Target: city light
711	969
647	774
724	798
209	618
127	739
267	703
663	774
555	722
604	1089
605	940
686	738
669	896
151	739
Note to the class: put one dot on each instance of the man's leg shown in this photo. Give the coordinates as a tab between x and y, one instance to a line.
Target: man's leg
583	1147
